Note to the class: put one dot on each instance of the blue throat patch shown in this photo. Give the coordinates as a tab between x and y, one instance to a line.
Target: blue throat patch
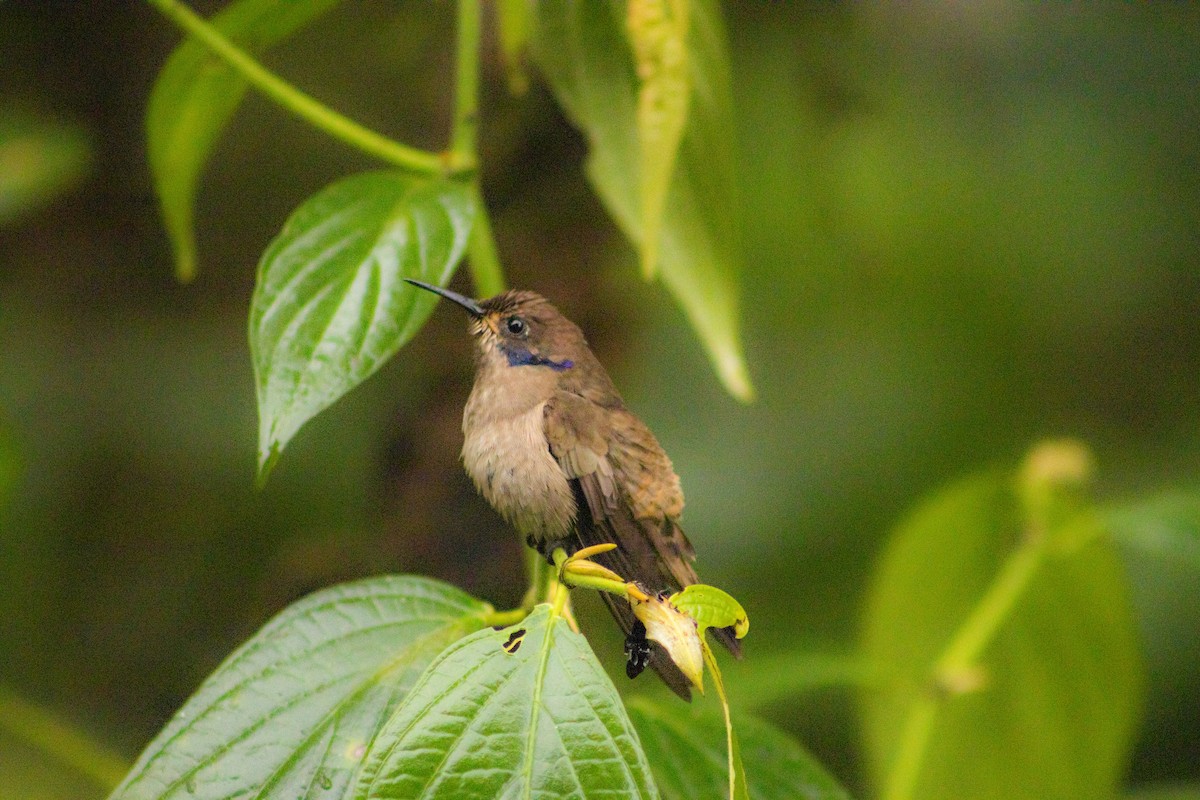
524	358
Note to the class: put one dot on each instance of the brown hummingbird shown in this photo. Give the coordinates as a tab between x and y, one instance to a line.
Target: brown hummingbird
548	442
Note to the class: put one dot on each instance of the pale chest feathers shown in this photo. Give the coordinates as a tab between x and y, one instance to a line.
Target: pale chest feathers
508	459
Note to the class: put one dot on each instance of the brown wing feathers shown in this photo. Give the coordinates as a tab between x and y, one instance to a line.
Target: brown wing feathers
628	494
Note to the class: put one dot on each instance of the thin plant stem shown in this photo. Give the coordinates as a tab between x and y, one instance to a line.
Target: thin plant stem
464	137
486	271
45	732
958	658
306	107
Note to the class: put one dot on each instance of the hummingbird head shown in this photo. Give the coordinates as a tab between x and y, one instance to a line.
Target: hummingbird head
522	328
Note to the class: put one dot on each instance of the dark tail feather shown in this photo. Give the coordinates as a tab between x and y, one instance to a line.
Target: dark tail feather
660	662
726	637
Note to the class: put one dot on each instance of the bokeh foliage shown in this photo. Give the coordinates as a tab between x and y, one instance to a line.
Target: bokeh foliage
964	229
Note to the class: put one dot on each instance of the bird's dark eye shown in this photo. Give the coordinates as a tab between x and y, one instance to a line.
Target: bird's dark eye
515	325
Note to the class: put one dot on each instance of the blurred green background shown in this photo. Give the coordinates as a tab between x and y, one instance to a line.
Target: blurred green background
964	227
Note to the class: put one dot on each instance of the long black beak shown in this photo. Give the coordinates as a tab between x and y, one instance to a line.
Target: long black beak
466	302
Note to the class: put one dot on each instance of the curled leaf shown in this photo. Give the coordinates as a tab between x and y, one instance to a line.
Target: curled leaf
676	632
712	608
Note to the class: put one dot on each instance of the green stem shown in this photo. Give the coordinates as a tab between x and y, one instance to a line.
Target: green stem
47	733
951	670
619	588
502	619
304	106
486	271
464	137
466	82
992	610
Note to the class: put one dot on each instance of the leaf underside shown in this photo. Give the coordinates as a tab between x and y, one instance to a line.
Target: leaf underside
685	748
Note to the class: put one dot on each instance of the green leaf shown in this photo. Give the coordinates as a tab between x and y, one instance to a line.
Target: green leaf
1159	539
581	47
657	31
331	304
1057	691
686	749
1165	527
193	100
291	713
522	712
39	159
712	608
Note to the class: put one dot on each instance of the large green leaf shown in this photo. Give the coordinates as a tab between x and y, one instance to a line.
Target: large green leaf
522	712
582	49
331	304
193	100
686	750
291	713
1056	700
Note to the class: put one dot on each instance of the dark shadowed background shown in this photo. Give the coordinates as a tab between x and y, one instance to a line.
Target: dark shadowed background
965	227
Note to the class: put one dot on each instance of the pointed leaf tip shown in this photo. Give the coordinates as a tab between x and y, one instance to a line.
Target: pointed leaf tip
331	305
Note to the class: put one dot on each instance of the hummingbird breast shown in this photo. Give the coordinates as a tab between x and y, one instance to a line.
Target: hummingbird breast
508	458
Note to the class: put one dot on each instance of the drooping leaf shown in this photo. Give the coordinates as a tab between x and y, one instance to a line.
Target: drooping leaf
657	31
39	159
686	750
331	304
712	608
1055	701
522	712
193	99
290	713
581	48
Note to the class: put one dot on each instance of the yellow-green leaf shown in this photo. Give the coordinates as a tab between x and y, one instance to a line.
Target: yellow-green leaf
712	608
582	49
657	31
1051	704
